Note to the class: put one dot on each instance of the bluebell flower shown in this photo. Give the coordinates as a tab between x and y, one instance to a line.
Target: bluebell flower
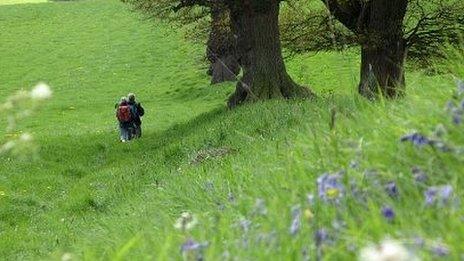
419	242
392	189
440	145
190	244
388	213
440	250
420	140
438	195
456	111
416	138
192	250
450	106
457	117
330	187
460	87
296	220
321	236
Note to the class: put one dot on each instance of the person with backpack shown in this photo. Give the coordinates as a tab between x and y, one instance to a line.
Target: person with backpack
125	117
138	112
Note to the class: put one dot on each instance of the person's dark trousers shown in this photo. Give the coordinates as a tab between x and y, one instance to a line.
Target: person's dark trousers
137	130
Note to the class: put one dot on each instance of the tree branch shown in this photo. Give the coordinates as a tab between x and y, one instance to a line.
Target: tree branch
349	13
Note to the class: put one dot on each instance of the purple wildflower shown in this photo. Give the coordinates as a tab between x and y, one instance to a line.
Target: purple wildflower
416	138
321	236
460	87
450	106
440	145
440	250
438	194
296	220
419	175
419	242
388	213
457	117
330	187
391	189
192	250
189	245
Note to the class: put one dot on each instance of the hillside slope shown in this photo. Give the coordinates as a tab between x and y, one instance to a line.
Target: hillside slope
244	174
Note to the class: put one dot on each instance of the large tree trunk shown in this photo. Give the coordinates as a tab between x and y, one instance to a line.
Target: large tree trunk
255	23
383	50
221	49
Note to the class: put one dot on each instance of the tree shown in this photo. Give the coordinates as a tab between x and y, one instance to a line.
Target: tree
254	25
428	24
221	50
209	23
380	29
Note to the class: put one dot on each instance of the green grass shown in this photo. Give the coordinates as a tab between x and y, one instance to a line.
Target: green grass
95	198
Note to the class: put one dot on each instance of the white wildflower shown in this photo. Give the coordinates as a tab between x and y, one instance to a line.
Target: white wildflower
41	92
388	250
25	137
66	257
186	221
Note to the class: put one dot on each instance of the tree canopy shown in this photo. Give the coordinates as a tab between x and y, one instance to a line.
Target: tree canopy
387	31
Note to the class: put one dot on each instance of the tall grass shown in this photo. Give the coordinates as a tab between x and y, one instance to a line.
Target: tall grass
238	172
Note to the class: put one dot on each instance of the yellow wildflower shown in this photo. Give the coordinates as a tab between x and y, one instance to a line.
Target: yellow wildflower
308	214
333	193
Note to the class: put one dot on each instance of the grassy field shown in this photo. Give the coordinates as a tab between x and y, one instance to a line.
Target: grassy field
240	172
